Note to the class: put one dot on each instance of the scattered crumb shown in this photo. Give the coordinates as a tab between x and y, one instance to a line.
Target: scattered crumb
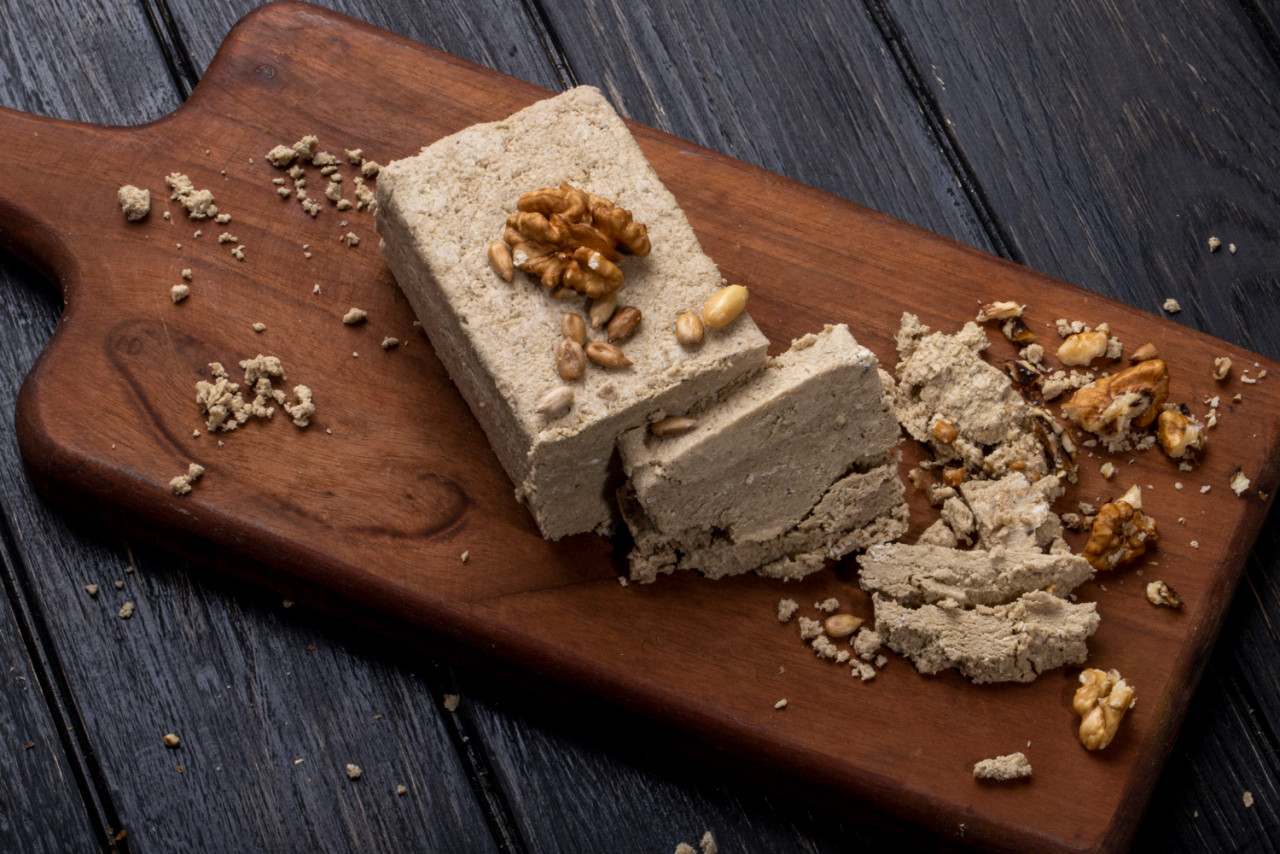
1247	797
119	585
1231	247
354	316
708	844
351	239
390	343
198	203
466	555
781	704
1013	766
787	609
181	484
186	274
1108	470
1205	489
91	589
1172	306
171	741
451	702
179	292
1214	244
401	790
828	606
622	581
316	288
135	202
287	603
259	327
126	611
1159	593
1239	483
227	237
353	771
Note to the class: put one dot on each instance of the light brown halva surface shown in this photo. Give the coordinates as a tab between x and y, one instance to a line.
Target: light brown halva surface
785	470
438	212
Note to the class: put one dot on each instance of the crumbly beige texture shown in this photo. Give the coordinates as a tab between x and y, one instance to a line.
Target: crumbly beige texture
915	575
1012	766
943	378
181	485
224	404
1002	643
135	202
198	203
1014	513
437	214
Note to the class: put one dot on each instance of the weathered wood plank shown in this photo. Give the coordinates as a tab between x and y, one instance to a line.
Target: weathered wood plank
41	808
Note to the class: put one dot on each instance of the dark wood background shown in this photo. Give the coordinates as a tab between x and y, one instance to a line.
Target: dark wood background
1101	144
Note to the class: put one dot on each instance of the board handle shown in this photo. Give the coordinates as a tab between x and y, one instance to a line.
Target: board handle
53	165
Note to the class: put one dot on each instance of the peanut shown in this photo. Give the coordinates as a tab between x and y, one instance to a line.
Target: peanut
623	323
574	327
500	260
672	424
571	360
606	355
689	329
724	306
602	309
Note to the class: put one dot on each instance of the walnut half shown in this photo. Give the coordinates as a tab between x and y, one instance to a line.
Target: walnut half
1101	701
1121	532
570	238
1109	405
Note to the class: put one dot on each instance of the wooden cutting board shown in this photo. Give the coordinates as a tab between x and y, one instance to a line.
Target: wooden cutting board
379	499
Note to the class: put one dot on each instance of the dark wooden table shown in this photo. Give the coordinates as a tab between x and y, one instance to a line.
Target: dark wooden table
1100	143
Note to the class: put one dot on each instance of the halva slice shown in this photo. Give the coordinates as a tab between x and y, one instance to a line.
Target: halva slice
439	211
1015	642
779	473
915	575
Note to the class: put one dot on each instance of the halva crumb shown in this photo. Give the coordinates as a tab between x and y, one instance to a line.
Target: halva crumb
179	292
787	609
354	316
171	741
91	589
1012	766
126	611
198	203
1172	306
181	485
135	202
354	771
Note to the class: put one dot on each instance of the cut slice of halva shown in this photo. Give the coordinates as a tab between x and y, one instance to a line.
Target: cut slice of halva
1003	643
858	511
779	473
962	408
437	214
915	575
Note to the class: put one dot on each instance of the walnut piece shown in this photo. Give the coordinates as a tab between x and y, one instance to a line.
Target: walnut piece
1109	405
1101	701
570	238
1159	593
1121	532
1179	434
1083	347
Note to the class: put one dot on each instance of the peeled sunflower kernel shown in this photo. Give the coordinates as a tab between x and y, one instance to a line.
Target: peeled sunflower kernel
841	625
724	306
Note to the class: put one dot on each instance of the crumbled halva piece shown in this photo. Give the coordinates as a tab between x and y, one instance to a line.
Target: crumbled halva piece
198	203
354	316
135	202
1014	512
962	408
787	609
181	485
1172	306
438	212
178	293
1003	643
1012	766
914	575
281	156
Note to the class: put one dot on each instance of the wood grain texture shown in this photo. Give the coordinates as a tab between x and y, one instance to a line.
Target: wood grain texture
265	498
